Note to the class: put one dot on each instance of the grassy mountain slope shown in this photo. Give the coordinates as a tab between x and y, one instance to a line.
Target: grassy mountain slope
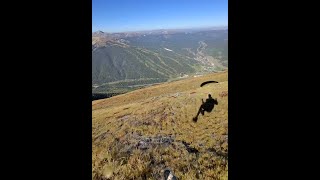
137	134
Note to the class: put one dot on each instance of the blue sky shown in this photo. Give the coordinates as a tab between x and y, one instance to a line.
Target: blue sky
134	15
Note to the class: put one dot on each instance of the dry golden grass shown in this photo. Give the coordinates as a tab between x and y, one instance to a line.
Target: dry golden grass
120	122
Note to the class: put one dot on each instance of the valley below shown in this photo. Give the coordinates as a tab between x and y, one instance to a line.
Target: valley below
123	62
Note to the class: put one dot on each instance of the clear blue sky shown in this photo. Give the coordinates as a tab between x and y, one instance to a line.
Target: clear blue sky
133	15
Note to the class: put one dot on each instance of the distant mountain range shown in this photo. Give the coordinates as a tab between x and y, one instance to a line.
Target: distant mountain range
120	60
169	30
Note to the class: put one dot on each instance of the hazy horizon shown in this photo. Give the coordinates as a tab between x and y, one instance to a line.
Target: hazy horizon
154	29
114	16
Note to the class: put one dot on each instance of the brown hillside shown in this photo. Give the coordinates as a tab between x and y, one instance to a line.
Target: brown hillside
138	134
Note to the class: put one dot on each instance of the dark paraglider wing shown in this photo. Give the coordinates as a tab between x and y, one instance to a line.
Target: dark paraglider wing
207	82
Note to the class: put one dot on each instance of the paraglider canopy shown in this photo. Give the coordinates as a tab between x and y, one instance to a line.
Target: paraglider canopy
207	82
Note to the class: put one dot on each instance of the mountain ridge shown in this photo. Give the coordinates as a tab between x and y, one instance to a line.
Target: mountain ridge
158	56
